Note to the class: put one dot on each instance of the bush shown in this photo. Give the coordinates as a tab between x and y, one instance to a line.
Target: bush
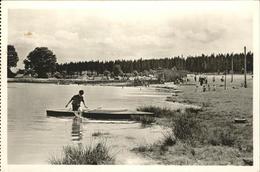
222	136
168	75
157	111
89	154
169	139
58	75
187	129
138	82
145	120
98	133
193	110
143	148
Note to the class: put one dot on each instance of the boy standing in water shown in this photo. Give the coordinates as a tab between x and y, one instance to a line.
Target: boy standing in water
76	100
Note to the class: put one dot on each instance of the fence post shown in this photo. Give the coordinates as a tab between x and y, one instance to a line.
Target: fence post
245	84
232	69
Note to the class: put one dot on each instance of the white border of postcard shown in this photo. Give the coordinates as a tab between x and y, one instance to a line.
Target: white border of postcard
254	5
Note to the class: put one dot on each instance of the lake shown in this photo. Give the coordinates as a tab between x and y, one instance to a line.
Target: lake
33	137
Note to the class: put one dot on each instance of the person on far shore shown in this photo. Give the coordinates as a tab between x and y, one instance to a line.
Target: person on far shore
222	79
196	87
204	87
214	87
208	87
201	81
76	100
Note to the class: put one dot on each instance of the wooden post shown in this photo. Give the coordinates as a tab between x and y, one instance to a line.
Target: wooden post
225	82
225	87
245	84
232	69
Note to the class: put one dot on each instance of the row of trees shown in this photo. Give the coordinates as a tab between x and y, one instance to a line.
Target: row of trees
199	64
41	62
219	63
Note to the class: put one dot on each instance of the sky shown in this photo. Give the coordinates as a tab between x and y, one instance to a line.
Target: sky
132	30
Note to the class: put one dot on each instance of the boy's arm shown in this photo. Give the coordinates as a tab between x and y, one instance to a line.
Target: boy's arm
84	103
68	103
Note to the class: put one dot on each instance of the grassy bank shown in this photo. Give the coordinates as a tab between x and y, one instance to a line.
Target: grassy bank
209	135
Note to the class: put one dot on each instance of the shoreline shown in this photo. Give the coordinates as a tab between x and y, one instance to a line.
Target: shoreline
78	81
219	109
60	81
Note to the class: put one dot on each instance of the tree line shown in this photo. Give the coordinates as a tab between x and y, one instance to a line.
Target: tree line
199	64
42	62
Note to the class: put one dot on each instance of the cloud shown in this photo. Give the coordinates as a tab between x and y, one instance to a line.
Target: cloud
205	35
130	32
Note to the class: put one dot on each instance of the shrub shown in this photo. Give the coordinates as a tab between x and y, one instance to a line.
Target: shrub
168	75
89	154
193	110
205	104
143	148
222	136
145	120
58	75
98	133
169	139
187	129
157	111
227	139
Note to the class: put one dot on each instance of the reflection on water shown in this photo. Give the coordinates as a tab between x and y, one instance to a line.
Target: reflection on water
77	130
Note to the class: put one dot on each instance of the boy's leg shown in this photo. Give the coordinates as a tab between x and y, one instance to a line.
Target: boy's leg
76	110
75	107
79	111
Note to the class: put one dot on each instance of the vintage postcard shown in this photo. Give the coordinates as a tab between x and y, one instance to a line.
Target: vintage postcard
130	85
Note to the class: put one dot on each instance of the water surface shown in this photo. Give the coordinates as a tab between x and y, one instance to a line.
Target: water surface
33	137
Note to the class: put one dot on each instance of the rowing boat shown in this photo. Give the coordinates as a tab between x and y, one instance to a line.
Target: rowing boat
98	113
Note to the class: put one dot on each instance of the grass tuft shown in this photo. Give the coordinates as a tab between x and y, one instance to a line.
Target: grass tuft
96	154
145	120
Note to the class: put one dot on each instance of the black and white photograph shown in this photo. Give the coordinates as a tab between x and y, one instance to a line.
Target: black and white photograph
131	83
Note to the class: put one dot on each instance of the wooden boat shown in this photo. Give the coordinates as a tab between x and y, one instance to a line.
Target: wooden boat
98	113
240	120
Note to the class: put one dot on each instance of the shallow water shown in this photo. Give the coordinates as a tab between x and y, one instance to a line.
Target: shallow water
33	137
